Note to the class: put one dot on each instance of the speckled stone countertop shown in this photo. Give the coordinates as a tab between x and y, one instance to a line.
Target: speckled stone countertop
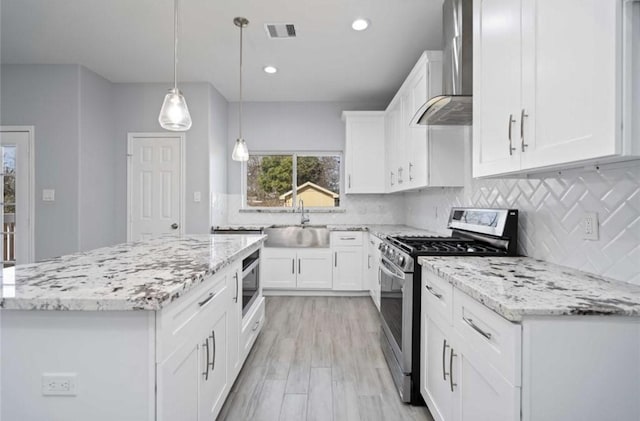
517	287
146	275
378	230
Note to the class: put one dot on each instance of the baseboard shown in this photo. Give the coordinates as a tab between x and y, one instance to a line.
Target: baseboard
313	293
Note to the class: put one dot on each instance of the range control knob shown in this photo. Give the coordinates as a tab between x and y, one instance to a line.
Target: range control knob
401	261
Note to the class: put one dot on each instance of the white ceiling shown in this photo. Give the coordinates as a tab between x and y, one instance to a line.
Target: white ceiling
131	41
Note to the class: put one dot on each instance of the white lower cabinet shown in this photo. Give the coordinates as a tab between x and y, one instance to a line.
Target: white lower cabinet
478	366
178	381
348	260
296	268
215	380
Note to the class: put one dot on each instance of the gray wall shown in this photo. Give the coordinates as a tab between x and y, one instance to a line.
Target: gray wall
96	162
302	126
137	106
218	155
47	97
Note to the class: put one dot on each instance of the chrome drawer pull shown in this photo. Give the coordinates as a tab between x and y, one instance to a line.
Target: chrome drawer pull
453	354
444	354
347	238
206	300
511	121
431	290
206	366
522	116
256	326
213	341
476	328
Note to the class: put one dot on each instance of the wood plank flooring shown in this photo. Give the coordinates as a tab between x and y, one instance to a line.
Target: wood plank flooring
318	358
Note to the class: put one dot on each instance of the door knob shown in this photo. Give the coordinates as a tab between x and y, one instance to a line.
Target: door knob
174	226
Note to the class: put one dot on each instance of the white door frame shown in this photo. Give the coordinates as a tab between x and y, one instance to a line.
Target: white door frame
30	130
181	137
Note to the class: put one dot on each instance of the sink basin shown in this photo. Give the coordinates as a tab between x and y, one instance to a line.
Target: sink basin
297	236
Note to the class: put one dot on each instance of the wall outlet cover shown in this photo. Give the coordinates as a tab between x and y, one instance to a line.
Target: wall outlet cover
59	384
590	226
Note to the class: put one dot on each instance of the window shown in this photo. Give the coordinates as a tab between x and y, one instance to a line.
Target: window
283	180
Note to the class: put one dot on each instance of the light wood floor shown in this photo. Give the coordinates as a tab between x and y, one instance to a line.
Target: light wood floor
318	358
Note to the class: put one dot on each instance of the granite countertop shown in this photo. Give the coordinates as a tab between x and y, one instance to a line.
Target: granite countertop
146	275
517	287
378	230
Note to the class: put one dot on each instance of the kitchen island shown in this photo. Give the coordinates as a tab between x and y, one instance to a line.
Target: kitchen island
510	338
139	331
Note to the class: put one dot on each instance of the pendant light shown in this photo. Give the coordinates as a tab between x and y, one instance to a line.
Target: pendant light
174	114
240	150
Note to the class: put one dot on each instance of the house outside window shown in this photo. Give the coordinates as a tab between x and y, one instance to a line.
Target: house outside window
281	180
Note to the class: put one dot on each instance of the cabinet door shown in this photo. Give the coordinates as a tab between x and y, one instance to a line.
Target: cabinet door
570	81
215	383
235	319
402	138
391	145
481	394
278	268
178	382
347	268
314	269
496	86
364	152
436	389
417	136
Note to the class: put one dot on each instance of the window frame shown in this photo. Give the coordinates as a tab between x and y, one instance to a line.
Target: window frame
294	183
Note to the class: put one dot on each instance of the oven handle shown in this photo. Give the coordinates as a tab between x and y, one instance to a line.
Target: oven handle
385	269
251	267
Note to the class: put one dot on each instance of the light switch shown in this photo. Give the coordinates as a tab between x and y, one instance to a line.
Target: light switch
197	197
48	195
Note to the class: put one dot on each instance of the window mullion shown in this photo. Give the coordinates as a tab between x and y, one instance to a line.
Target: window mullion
294	180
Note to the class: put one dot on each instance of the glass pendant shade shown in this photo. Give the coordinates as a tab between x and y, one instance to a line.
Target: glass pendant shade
240	151
174	114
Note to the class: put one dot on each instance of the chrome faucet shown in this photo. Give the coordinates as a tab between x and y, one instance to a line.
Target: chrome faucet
303	219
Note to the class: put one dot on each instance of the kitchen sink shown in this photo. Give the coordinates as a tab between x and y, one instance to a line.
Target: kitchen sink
297	236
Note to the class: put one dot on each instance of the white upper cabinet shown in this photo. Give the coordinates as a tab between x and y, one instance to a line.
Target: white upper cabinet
422	156
364	152
548	84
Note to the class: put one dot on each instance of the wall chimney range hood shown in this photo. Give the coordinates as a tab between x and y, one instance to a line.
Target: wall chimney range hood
454	107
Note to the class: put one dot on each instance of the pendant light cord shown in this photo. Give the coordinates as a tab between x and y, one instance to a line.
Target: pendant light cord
175	44
240	102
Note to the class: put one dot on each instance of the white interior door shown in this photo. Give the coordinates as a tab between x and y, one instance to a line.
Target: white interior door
17	202
156	185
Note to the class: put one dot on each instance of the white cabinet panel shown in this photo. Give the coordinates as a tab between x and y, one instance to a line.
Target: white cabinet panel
314	269
347	268
436	371
178	382
234	285
364	151
278	268
215	382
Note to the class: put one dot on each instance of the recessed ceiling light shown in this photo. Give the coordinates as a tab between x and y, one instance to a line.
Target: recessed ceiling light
270	69
360	24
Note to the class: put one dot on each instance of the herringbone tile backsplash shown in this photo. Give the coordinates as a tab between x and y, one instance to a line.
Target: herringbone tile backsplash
551	209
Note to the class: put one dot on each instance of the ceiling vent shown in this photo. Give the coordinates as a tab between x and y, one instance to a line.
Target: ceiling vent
280	30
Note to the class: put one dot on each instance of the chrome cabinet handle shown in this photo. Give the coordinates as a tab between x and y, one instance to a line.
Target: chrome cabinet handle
476	328
511	121
368	261
335	259
255	327
391	177
293	266
347	238
379	275
206	366
444	357
451	383
522	116
235	299
410	167
349	180
431	290
213	341
299	266
400	171
206	300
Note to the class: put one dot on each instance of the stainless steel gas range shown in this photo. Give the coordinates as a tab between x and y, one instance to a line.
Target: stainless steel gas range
475	232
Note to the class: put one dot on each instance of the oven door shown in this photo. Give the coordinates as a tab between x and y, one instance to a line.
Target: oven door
396	305
250	281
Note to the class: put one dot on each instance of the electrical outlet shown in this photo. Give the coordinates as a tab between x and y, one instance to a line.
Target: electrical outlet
590	226
59	384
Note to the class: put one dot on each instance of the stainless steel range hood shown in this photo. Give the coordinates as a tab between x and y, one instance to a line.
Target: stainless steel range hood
454	107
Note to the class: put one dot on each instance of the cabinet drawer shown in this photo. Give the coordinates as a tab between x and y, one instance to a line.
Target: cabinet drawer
488	336
346	238
252	327
439	297
181	320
